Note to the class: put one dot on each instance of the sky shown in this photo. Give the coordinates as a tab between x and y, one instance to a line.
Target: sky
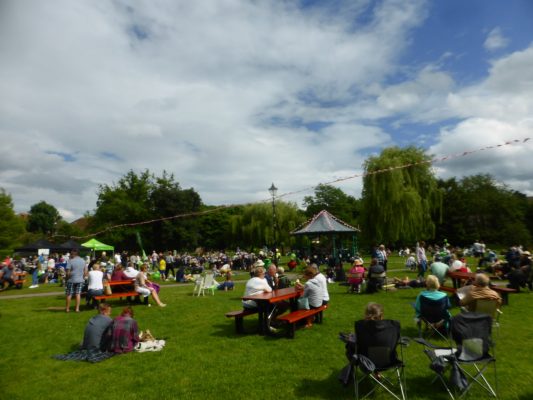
231	96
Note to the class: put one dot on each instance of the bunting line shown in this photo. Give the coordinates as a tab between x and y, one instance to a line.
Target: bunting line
288	194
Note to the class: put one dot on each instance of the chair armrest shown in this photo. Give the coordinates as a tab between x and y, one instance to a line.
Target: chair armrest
404	341
425	343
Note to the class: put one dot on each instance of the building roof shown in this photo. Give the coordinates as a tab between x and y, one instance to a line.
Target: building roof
324	222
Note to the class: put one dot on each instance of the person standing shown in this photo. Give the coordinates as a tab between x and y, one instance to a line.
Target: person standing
439	269
76	273
381	255
421	258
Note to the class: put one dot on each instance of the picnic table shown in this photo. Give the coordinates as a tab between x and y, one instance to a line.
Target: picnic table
459	278
264	300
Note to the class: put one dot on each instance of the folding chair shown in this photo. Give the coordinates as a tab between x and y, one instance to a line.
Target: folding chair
490	307
434	314
359	276
469	360
376	358
378	280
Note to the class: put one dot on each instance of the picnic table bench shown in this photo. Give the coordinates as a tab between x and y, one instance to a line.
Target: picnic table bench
21	278
129	293
239	315
292	318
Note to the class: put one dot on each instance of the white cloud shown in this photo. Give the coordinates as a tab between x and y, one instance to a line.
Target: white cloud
495	40
493	112
193	88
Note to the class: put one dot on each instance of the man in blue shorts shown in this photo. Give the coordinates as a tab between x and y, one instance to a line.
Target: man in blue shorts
76	273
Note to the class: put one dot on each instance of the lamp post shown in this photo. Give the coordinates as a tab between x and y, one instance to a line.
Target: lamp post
273	190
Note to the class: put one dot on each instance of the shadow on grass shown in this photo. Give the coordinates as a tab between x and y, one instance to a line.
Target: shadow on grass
329	388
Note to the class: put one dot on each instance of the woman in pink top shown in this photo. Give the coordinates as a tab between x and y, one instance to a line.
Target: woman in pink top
356	276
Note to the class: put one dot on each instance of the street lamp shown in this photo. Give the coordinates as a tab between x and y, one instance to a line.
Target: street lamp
273	190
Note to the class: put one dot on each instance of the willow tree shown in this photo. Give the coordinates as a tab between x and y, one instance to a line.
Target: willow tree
400	196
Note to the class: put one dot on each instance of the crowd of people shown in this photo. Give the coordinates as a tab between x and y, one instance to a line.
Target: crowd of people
104	334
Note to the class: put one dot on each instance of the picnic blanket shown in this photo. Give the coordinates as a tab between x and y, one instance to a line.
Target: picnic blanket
92	356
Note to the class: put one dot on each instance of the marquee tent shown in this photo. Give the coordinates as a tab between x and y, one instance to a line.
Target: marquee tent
96	245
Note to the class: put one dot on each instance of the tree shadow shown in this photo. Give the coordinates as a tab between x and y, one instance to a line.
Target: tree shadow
329	388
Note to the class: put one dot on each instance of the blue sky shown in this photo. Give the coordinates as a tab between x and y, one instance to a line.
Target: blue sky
232	95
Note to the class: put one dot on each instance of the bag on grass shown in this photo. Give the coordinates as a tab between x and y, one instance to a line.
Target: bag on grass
303	303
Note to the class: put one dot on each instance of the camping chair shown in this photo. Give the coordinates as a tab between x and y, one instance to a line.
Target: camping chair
435	316
469	360
490	307
360	286
378	280
208	283
376	357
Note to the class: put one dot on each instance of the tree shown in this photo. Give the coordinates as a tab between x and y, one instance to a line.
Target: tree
251	225
144	197
334	200
43	218
479	208
399	202
11	225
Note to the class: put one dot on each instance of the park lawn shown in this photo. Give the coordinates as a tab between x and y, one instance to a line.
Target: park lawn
205	359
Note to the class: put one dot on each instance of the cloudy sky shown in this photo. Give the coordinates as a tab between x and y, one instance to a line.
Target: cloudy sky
231	95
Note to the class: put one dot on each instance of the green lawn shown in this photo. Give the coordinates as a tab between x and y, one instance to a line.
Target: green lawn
205	359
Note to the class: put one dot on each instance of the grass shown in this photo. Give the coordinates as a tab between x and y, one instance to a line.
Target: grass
205	359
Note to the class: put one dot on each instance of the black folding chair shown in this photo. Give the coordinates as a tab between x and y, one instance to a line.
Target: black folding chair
467	362
434	314
374	357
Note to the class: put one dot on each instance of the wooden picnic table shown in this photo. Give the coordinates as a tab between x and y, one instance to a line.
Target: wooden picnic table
264	300
458	278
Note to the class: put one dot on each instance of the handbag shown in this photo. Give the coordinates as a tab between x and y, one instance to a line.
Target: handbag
107	289
303	303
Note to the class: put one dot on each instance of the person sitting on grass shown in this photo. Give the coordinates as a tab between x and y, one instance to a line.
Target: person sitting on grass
98	330
228	283
125	334
143	286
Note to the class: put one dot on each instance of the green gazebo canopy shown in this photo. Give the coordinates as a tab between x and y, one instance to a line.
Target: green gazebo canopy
94	244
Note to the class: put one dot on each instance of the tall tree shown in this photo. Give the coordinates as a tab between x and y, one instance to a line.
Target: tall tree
253	225
143	197
334	200
479	208
11	225
399	201
43	218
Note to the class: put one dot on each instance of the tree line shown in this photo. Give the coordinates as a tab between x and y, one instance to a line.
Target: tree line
402	201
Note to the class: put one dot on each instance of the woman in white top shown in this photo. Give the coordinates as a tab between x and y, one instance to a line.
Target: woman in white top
96	283
142	286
